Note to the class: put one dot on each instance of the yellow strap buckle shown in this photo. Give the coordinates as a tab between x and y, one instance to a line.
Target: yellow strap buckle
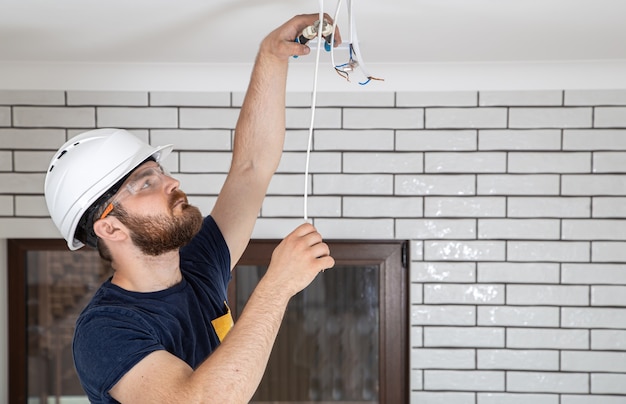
223	324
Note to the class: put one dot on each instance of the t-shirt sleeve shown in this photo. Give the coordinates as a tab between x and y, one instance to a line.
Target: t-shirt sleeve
108	342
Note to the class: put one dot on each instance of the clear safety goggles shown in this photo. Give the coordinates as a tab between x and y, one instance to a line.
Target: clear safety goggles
143	181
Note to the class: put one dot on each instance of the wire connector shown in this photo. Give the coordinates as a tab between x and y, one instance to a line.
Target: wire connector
312	31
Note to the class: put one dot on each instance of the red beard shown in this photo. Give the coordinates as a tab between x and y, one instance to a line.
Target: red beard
158	234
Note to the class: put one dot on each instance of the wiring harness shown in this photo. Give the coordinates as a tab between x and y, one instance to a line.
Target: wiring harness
355	62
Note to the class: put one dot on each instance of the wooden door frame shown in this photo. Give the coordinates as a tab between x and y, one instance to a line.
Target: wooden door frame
392	259
18	347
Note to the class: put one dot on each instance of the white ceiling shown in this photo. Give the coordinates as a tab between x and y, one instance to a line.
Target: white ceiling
42	34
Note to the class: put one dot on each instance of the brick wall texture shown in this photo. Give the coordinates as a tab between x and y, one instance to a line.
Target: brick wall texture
514	203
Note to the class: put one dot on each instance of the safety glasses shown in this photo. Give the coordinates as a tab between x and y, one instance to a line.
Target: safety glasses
145	180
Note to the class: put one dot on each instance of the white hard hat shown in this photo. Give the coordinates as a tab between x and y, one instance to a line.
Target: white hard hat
84	169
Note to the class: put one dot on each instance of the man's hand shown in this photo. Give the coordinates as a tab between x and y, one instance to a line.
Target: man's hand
297	260
281	42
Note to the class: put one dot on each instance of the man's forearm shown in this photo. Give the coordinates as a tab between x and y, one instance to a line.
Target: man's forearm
233	372
260	130
259	138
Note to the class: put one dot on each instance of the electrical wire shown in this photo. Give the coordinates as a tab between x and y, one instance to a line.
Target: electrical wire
355	61
313	102
354	44
332	41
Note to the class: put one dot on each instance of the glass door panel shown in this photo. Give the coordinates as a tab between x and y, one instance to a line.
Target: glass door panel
327	347
58	286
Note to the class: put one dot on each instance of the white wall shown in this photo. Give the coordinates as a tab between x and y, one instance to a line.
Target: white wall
471	76
514	203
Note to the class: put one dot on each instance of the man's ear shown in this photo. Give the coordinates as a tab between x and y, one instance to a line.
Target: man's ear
110	228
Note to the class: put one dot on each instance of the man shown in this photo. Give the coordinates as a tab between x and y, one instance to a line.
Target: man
159	331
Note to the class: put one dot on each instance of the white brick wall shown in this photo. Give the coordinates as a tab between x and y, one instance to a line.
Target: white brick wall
514	204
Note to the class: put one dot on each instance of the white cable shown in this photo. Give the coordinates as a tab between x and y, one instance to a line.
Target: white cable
355	42
313	101
350	21
332	37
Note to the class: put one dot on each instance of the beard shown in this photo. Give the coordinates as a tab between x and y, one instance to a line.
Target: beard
158	234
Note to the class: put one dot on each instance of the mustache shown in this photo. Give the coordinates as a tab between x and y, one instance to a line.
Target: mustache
176	196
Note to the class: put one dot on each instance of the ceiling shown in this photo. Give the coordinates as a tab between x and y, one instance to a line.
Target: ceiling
392	33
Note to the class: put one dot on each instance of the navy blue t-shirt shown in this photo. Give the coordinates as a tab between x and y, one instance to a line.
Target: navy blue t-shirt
119	328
